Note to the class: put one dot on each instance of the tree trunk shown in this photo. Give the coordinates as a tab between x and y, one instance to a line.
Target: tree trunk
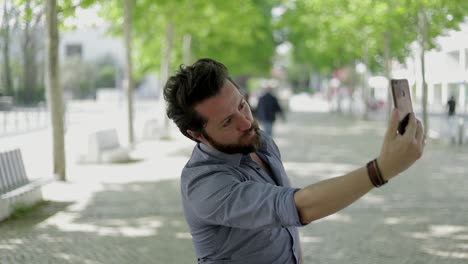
165	66
6	51
365	83
424	95
423	40
54	92
29	69
129	84
187	46
29	55
388	71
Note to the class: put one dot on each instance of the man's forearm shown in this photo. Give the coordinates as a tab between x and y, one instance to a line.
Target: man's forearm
329	196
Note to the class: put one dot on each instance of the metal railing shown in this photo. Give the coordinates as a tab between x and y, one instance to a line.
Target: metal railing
22	120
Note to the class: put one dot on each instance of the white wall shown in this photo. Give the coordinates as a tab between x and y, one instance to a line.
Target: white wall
95	43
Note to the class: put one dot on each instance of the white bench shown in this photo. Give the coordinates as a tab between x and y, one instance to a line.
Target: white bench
104	147
16	189
151	129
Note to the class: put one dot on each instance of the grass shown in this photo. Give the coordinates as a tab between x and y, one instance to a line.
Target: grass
23	210
129	161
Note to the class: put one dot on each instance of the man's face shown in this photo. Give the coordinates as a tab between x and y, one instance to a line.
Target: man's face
230	127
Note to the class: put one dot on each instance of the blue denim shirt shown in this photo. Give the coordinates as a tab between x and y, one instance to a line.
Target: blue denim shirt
236	212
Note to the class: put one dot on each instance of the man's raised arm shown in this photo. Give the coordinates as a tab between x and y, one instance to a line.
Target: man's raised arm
398	153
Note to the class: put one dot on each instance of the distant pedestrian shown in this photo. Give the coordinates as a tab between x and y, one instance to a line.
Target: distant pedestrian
451	106
267	109
451	119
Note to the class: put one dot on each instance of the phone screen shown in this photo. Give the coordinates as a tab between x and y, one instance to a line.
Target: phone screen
402	101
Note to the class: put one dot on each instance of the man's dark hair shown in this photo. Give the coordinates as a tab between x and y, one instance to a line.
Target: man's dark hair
190	86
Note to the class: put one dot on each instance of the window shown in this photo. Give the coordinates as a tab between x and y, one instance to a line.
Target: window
72	50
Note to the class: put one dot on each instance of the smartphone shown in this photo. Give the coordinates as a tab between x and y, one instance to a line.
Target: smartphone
402	101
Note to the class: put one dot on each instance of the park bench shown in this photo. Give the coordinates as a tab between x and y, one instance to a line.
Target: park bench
16	189
151	129
104	147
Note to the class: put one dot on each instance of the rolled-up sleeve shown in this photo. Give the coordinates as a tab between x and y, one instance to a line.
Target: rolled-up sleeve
221	198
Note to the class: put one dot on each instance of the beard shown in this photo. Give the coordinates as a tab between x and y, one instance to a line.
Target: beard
242	145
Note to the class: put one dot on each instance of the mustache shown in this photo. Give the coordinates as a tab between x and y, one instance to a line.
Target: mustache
253	127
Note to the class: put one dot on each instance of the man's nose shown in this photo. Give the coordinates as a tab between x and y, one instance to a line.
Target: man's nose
244	123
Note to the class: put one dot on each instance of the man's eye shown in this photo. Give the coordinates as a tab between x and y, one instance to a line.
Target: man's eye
242	105
227	122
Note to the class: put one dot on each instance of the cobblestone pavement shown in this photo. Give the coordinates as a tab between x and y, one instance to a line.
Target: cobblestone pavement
131	213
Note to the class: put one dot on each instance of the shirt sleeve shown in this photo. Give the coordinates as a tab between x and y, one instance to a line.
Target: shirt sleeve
222	198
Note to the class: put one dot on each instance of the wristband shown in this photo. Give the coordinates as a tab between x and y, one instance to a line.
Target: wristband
375	174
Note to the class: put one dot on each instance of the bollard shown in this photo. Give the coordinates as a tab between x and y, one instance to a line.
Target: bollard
461	130
5	119
16	122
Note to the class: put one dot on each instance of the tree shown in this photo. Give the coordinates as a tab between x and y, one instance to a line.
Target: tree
5	32
242	38
423	39
129	84
54	92
22	21
30	17
32	14
165	68
318	30
217	29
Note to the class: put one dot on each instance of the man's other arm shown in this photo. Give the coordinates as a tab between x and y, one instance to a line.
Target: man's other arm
398	153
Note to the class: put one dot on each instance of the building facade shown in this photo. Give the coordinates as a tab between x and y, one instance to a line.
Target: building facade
446	71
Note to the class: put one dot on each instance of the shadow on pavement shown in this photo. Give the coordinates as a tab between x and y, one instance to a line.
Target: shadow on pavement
122	223
34	215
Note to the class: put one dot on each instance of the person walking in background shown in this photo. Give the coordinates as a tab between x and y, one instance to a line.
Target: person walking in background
452	122
451	106
267	109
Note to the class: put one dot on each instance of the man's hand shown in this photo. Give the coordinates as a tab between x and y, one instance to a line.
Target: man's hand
399	152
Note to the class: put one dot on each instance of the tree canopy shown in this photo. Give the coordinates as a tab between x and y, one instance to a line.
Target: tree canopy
238	33
330	34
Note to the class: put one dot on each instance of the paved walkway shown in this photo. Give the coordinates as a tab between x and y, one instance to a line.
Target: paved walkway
131	213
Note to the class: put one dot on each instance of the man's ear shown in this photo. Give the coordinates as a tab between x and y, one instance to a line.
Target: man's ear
195	135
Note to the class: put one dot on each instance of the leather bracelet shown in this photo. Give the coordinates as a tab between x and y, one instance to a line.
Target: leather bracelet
371	174
379	173
375	174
